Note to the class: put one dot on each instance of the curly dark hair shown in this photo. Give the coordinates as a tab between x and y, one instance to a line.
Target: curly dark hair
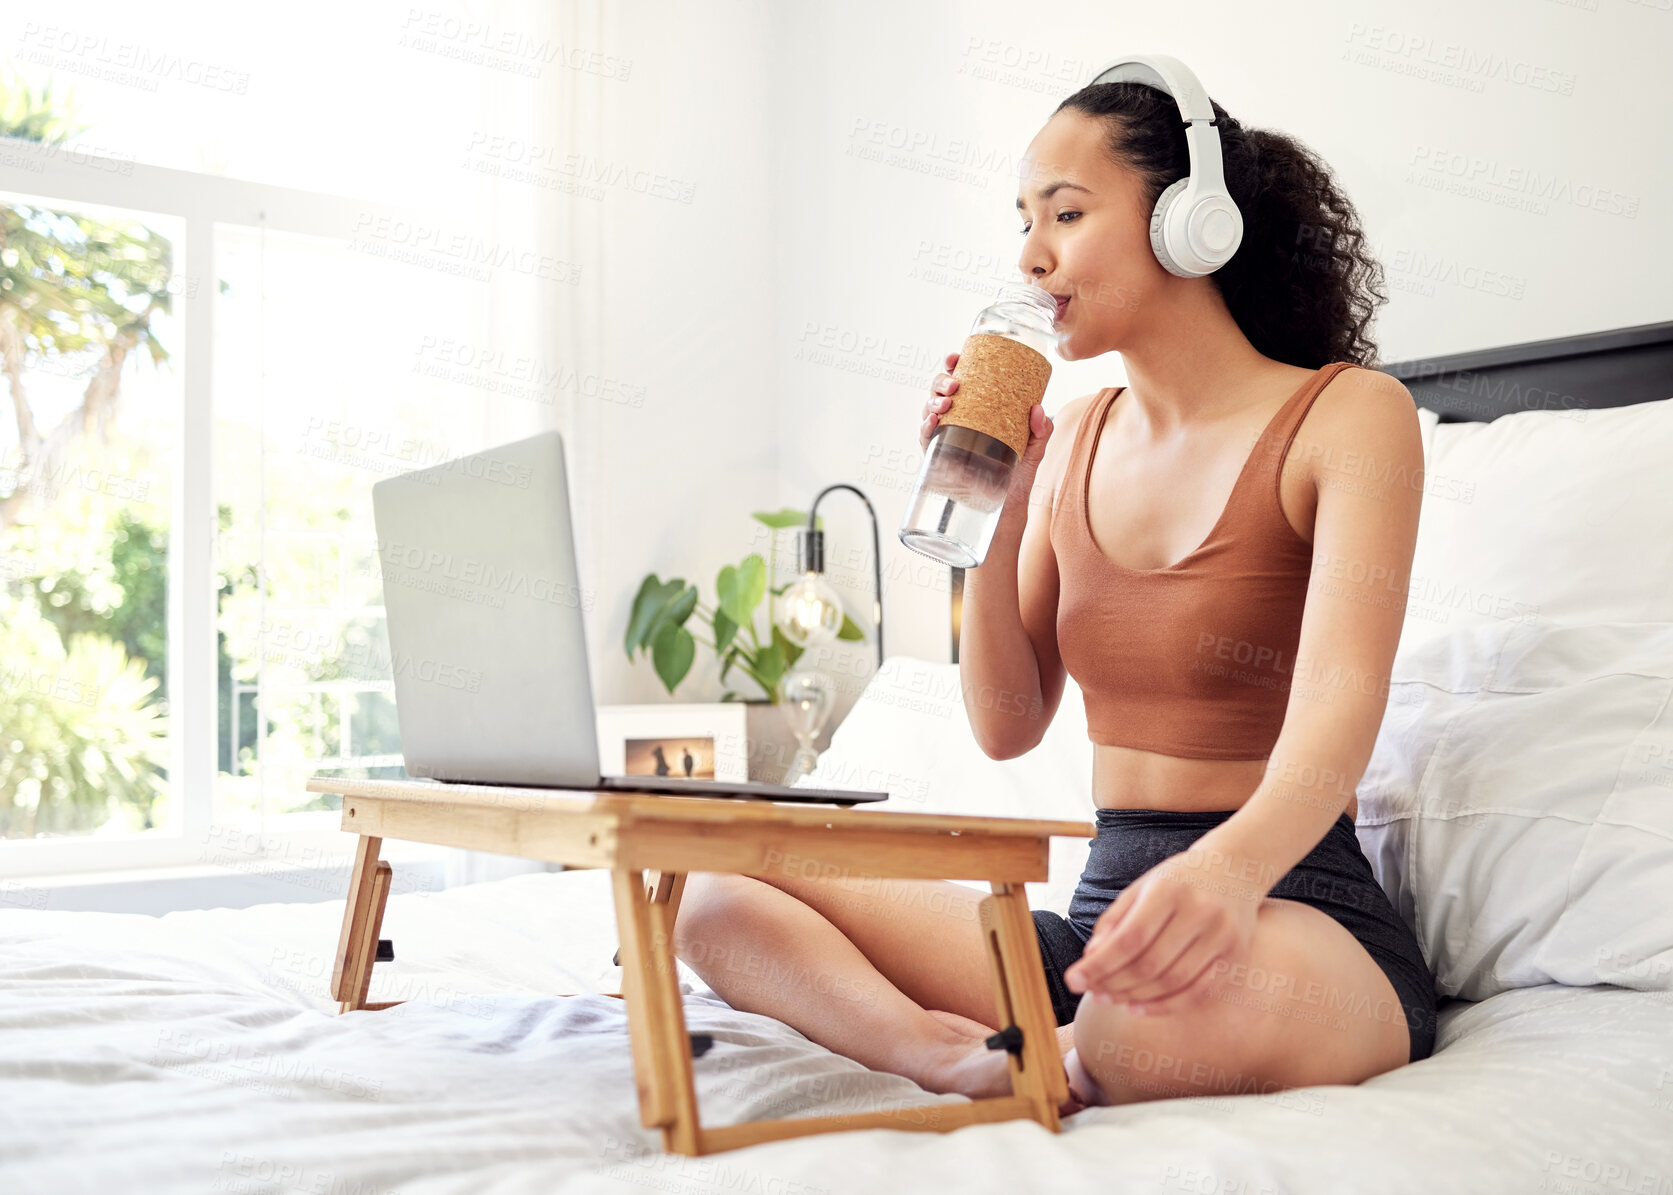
1302	285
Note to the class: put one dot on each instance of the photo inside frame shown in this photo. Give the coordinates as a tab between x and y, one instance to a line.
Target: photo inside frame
692	757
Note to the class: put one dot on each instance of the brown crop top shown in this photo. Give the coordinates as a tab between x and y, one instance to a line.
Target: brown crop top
1192	659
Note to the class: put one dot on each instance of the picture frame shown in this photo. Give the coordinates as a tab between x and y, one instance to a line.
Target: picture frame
638	740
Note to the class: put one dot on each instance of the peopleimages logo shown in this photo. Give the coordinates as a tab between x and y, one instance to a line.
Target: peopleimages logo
506	582
1479	176
127	63
490	469
437	672
1420	54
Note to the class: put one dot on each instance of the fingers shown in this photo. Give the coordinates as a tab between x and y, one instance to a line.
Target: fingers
1174	985
1039	431
943	386
1107	952
1152	971
1194	991
933	411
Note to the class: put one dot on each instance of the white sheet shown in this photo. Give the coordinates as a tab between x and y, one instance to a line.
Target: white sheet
198	1052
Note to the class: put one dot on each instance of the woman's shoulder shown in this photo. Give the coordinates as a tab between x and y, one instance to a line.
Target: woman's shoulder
1069	416
1362	379
1075	408
1364	418
1364	393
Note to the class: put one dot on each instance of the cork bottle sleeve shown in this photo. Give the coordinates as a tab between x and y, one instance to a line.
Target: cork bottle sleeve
999	381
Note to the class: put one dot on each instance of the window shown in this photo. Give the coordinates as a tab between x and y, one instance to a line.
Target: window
326	380
91	350
211	535
303	345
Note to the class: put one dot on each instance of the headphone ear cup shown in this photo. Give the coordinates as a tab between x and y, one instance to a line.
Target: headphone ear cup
1159	223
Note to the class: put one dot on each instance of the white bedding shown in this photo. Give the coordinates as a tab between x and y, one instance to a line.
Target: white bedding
199	1052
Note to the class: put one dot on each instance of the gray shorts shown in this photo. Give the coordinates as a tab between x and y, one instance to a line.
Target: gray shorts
1335	877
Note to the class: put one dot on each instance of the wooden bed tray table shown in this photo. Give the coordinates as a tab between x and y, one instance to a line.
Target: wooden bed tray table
649	843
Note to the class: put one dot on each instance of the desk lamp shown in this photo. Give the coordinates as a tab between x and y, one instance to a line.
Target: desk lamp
810	612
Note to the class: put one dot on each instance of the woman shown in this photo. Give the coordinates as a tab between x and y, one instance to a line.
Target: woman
1227	934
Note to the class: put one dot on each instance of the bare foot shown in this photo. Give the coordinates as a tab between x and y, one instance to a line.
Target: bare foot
968	1067
1083	1088
1072	1105
978	1072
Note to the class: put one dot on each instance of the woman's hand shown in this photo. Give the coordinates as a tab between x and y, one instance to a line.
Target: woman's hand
1164	944
942	386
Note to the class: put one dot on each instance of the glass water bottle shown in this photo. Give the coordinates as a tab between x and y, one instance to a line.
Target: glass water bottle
1002	372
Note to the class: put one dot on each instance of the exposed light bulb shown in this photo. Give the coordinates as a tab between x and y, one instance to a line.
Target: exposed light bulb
808	698
810	611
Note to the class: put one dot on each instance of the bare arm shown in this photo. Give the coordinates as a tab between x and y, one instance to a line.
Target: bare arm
1364	540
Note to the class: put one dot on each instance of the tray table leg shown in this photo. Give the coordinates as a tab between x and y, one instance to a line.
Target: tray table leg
357	946
656	1018
666	887
1020	991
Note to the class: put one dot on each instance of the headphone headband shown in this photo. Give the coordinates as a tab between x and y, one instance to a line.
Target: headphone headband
1167	74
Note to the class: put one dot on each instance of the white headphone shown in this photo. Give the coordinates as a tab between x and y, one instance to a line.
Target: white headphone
1195	227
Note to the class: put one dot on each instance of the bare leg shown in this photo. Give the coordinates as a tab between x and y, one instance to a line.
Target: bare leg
1309	1007
765	951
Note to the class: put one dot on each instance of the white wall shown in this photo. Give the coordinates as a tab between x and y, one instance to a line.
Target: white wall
688	313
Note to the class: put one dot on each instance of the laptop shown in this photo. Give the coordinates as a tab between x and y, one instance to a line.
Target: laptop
485	618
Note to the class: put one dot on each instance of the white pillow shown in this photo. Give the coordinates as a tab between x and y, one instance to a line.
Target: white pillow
1565	516
909	735
1518	805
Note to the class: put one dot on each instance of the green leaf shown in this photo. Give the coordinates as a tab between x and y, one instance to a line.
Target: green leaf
769	663
725	631
681	607
653	598
672	652
792	653
642	616
742	588
851	630
788	517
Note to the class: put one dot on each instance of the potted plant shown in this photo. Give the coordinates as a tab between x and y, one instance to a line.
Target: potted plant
662	609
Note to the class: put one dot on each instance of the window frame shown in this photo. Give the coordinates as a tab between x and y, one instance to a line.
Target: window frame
67	175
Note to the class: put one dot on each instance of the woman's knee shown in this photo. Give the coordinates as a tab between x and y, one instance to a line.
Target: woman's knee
712	906
1211	1048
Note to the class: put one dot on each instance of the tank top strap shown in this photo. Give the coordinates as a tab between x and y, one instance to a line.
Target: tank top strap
1281	434
1092	422
1073	484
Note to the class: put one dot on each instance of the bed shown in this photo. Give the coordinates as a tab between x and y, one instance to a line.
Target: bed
1518	809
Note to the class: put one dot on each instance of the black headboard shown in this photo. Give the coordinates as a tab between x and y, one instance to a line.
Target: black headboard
1599	369
1594	370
